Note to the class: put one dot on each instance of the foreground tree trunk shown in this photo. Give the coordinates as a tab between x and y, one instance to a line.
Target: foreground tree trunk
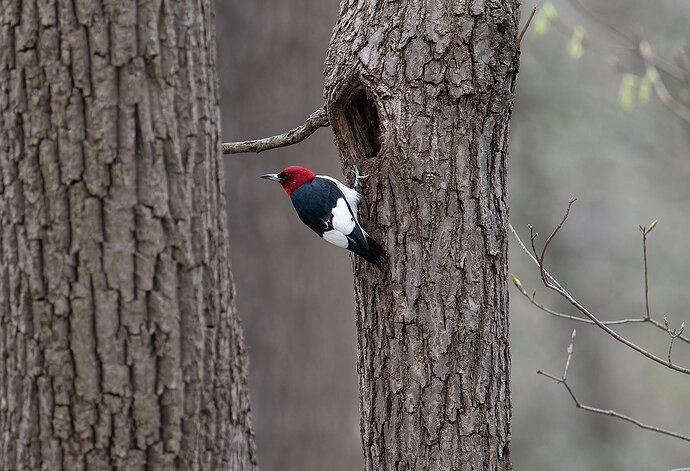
419	95
120	345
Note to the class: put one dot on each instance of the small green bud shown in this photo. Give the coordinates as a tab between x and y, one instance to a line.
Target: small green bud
516	282
541	24
576	46
644	93
652	75
550	11
626	92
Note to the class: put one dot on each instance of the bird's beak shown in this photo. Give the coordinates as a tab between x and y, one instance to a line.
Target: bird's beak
271	176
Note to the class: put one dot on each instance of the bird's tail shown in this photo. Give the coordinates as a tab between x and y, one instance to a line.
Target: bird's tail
375	253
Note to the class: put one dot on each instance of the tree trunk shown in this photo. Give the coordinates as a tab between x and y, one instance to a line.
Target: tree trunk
120	345
419	96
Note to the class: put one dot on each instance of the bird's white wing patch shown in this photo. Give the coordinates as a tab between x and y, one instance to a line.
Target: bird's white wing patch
343	220
336	238
352	196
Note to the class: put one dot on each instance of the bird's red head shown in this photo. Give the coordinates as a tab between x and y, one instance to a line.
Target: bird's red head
291	177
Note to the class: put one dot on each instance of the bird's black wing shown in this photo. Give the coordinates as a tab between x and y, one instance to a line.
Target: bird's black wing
314	203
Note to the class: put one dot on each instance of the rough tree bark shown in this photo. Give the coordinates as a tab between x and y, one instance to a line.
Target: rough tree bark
120	345
419	95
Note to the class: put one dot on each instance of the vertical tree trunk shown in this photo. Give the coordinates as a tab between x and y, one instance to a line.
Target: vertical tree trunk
420	96
120	345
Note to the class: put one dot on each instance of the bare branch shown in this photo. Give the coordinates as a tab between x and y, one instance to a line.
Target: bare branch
553	284
526	27
660	326
524	248
532	236
673	334
550	238
570	354
611	413
644	232
316	120
532	299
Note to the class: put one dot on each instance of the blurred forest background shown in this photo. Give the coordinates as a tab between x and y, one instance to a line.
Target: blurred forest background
570	136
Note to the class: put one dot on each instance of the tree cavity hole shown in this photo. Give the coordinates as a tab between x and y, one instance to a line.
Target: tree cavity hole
358	122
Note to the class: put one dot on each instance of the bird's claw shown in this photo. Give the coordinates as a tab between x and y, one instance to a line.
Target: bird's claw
358	176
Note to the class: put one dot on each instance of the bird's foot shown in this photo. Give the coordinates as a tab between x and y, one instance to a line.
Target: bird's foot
358	176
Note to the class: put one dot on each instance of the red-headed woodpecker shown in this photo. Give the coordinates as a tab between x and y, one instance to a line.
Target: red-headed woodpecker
329	208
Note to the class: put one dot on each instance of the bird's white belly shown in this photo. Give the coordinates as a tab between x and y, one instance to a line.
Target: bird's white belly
336	237
343	223
343	220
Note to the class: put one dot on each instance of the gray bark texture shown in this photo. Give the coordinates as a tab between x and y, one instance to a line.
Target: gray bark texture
120	345
420	94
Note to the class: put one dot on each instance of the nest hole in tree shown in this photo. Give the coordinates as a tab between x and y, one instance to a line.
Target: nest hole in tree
356	120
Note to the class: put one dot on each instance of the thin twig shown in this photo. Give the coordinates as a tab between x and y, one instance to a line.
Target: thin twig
660	326
611	413
553	284
570	355
316	120
648	318
532	298
673	334
524	248
526	27
646	271
550	238
532	236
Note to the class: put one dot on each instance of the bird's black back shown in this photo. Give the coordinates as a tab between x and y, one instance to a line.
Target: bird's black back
314	202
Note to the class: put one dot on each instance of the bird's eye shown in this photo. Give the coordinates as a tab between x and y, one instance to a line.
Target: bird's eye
283	176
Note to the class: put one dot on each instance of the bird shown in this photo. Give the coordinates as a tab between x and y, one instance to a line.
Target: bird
329	208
